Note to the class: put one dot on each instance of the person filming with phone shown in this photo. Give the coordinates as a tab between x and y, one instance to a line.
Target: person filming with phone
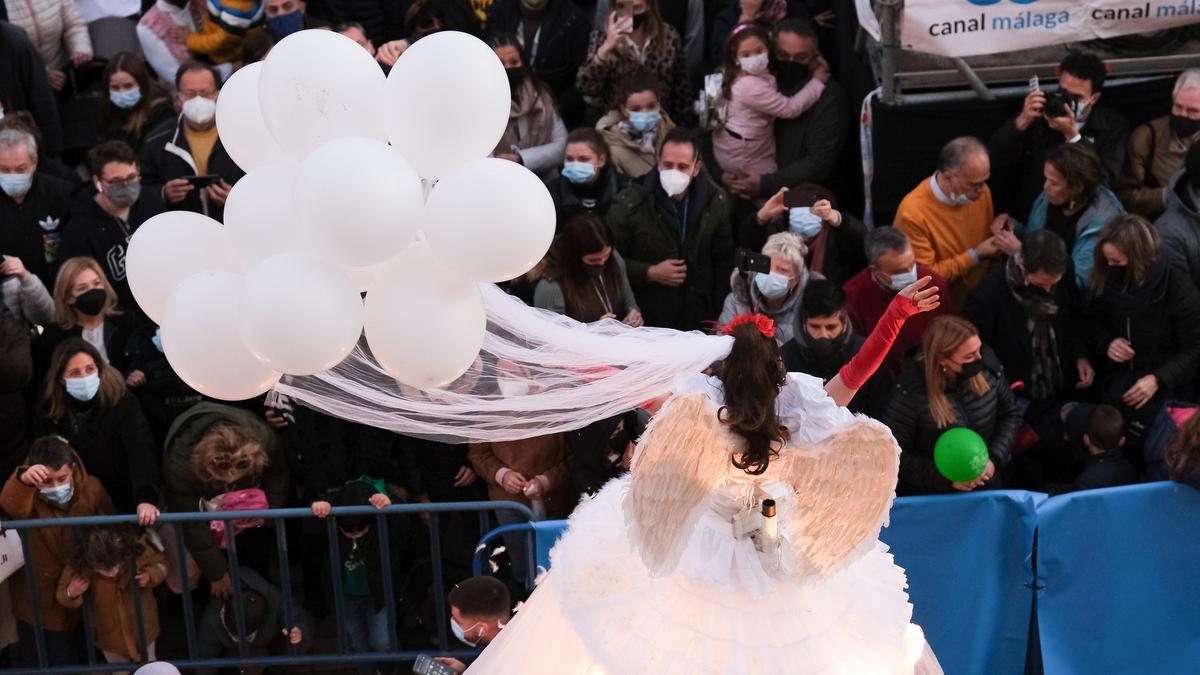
184	157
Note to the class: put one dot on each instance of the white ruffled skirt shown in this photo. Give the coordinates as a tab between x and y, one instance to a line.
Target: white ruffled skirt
599	612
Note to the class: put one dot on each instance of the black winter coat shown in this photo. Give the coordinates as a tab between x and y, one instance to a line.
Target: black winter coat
1004	326
32	230
646	231
165	156
800	357
16	372
1161	320
569	199
808	147
116	446
994	416
562	43
25	86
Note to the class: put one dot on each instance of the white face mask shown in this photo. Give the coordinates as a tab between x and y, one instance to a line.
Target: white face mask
199	110
899	282
754	65
773	286
461	634
674	182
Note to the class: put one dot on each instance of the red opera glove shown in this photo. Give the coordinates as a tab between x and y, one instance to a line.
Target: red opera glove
864	364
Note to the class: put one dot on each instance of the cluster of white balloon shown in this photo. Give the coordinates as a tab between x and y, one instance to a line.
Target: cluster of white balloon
356	182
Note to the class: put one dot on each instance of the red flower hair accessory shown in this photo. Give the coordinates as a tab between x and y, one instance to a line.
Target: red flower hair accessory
764	324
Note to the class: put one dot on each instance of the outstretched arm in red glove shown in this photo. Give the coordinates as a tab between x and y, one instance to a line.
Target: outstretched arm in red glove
914	299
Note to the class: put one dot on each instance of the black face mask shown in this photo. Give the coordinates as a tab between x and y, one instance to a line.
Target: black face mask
790	75
824	349
593	271
92	302
515	77
1183	127
639	20
971	369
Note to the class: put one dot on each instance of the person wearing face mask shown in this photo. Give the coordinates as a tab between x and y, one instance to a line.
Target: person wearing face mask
953	381
776	294
555	35
1020	145
535	136
136	103
86	402
1157	149
636	125
285	17
806	147
33	206
587	181
636	38
834	238
824	342
585	277
210	450
85	306
674	230
106	213
950	222
891	266
479	609
190	146
263	619
1143	322
99	567
224	27
52	483
746	142
358	550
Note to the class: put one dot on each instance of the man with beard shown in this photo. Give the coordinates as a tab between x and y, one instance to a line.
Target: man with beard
824	342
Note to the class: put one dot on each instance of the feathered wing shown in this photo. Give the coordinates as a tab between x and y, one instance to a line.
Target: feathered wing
680	459
844	488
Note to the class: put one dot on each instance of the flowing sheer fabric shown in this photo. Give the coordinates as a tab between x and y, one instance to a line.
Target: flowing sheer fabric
538	373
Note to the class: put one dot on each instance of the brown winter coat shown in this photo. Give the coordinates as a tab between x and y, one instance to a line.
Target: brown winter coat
48	546
543	455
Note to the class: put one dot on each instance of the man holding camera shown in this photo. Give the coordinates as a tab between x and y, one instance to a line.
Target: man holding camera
1072	114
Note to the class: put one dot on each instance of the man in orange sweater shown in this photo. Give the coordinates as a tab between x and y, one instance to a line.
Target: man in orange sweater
949	219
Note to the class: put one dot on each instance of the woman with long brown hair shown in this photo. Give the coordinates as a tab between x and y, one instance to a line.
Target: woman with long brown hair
136	100
85	401
585	276
954	381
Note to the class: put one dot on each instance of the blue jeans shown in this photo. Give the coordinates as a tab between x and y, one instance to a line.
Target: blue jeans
367	630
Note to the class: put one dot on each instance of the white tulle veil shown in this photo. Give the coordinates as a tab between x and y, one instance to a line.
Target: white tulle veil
537	373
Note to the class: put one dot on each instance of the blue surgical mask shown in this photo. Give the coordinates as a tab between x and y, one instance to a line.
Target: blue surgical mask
16	184
60	494
156	340
83	388
579	172
125	99
899	282
286	24
461	634
802	221
644	121
773	286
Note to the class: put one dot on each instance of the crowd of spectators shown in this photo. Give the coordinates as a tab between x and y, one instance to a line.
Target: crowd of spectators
1068	337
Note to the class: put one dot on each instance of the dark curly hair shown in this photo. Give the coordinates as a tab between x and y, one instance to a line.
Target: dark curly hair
752	375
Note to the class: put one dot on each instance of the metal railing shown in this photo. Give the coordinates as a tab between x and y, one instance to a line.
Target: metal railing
274	518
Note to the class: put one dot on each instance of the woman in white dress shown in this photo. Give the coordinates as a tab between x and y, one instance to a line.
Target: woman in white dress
658	573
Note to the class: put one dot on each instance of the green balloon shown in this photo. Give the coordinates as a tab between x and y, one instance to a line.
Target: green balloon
960	455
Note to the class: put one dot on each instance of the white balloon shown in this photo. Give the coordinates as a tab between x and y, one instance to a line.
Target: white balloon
358	200
360	277
424	323
169	248
260	214
317	85
300	315
244	134
446	102
490	219
202	340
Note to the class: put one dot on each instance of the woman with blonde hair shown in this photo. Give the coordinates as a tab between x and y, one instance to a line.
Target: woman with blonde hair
85	306
954	381
777	293
1145	322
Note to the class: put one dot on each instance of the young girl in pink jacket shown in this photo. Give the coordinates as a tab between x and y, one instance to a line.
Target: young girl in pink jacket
746	145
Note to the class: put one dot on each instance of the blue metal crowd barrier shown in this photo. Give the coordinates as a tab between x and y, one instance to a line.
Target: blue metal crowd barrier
275	518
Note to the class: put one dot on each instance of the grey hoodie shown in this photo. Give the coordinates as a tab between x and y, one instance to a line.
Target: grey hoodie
744	297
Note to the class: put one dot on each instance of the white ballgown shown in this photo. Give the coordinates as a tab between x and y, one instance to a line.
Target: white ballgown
649	577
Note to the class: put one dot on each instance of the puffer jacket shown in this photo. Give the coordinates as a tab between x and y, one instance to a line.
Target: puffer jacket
1179	226
994	416
54	26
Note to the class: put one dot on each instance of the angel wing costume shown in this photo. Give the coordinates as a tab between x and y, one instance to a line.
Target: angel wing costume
650	576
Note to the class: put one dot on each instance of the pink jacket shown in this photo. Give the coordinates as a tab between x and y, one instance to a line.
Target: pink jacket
755	103
54	26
